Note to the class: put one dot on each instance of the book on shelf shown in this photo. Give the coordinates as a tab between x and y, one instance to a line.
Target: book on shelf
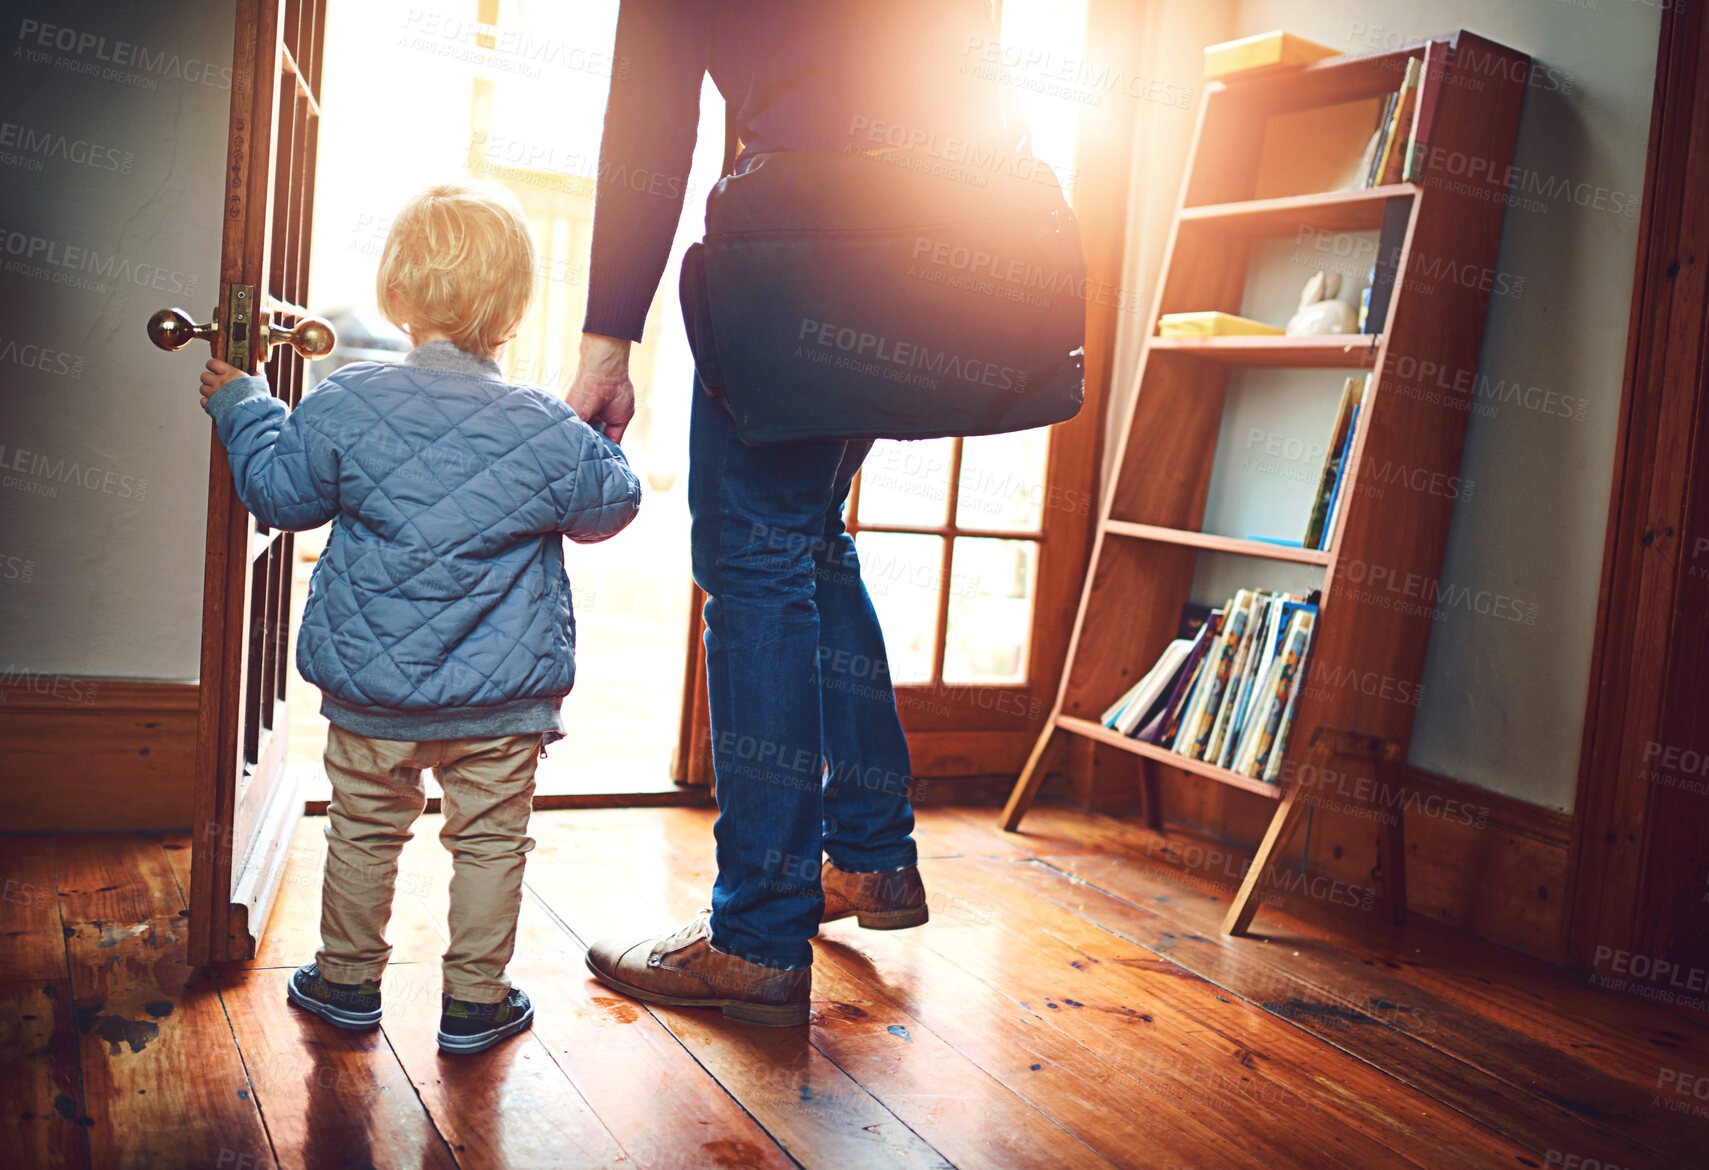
1431	85
1133	707
1335	458
1257	663
1384	273
1267	725
1391	157
1223	718
1273	764
1195	731
1262	54
1160	728
1336	494
1212	323
1226	696
1373	158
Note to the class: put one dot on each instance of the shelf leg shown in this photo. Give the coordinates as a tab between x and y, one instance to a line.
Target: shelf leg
1082	775
1281	828
1027	785
1152	786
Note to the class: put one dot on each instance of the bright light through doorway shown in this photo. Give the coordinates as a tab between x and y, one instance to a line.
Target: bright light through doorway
514	92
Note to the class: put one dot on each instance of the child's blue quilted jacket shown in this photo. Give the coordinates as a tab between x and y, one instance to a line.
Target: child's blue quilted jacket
440	609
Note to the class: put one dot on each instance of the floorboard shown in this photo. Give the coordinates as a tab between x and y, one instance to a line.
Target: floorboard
1071	1004
1008	1043
31	944
1470	1058
161	1074
819	1114
331	1097
41	1117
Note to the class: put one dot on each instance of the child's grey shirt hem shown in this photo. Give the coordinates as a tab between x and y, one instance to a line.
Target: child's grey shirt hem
517	717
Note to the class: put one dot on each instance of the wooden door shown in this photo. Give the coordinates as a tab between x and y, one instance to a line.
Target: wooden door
246	806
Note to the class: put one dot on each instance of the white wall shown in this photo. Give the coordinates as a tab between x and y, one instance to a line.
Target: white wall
112	144
1504	700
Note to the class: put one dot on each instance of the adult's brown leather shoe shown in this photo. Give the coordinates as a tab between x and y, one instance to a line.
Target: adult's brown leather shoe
879	901
683	970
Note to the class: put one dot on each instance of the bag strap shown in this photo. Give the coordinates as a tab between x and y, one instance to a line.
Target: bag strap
770	94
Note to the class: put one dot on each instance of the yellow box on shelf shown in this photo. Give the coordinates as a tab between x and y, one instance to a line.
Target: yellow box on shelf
1213	324
1263	53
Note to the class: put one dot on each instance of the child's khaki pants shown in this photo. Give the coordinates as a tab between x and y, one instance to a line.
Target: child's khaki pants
376	797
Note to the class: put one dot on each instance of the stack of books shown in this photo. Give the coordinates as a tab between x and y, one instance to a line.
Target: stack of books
1226	694
1396	149
1318	148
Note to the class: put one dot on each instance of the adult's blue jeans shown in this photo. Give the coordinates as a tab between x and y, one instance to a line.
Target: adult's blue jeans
807	750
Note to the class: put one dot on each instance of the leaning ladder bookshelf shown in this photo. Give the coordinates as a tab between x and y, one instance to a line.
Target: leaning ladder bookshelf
1149	537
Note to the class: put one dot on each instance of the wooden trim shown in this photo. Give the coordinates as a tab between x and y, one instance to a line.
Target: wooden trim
92	754
1549	826
1641	639
1479	860
85	694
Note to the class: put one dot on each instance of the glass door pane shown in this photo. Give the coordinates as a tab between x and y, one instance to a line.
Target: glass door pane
992	584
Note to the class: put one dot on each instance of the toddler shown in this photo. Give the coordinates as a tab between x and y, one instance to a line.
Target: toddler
438	625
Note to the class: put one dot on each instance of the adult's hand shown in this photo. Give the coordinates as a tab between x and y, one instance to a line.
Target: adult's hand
602	391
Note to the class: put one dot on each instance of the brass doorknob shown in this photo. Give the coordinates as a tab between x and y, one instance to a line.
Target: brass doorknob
172	329
312	337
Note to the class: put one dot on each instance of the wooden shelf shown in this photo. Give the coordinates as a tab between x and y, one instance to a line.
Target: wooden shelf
1141	578
1337	351
1336	211
1214	543
1151	751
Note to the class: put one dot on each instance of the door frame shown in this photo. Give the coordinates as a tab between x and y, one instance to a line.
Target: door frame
1647	665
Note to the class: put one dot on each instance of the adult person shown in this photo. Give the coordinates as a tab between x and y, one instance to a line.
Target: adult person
808	752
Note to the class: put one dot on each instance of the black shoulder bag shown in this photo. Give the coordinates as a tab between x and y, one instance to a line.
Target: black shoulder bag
895	295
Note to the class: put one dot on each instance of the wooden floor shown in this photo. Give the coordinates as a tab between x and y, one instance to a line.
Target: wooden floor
1069	1005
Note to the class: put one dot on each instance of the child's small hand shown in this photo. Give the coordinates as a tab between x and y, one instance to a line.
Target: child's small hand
216	375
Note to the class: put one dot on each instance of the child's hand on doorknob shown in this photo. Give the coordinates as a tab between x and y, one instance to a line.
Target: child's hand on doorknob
216	375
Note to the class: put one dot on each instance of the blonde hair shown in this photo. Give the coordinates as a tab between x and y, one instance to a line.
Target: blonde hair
459	261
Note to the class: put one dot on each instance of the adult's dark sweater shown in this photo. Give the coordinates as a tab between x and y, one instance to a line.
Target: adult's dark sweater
801	75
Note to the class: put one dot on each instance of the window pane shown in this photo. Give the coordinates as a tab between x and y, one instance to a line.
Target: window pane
906	483
902	573
1002	481
992	583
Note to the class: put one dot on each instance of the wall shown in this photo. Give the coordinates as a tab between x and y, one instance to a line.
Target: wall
1504	699
112	146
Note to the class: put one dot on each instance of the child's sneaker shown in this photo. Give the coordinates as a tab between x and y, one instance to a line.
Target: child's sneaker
349	1005
476	1027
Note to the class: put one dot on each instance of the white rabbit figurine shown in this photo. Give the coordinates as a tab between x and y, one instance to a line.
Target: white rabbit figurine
1320	311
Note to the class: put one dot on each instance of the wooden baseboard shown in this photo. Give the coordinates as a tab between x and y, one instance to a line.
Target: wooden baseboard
1477	859
86	754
